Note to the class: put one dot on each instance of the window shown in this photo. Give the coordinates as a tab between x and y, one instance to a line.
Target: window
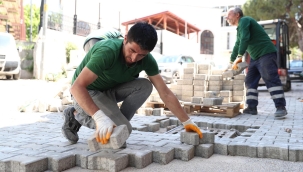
207	42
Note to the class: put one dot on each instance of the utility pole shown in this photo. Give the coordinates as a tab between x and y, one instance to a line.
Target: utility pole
75	19
43	40
99	23
31	28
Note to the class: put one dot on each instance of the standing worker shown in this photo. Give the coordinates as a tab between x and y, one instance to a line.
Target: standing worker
252	38
109	74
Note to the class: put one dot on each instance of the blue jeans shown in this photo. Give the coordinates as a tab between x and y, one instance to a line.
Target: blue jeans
267	68
133	94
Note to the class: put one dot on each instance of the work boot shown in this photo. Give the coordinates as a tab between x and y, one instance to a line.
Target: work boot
251	110
70	126
280	112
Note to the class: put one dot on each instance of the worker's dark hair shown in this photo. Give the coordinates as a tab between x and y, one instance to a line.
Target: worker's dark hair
239	11
144	35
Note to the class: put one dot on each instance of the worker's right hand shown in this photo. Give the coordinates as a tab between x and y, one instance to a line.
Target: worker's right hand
190	126
104	127
235	64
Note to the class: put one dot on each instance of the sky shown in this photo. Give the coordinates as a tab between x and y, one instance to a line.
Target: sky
113	12
200	3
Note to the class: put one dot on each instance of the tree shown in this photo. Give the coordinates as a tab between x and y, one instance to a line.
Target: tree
289	10
35	20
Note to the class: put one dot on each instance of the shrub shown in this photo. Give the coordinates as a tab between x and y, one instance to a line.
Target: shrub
70	46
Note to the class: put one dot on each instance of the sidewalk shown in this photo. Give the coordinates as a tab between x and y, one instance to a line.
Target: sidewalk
33	141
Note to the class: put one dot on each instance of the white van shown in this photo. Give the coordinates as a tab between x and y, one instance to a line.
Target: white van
9	57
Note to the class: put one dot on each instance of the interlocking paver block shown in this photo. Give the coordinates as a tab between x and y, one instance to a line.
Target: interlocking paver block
152	127
198	100
273	151
252	149
22	163
204	150
220	147
81	157
138	158
295	153
208	137
212	101
164	123
162	155
59	161
182	151
108	161
190	138
158	111
237	149
117	139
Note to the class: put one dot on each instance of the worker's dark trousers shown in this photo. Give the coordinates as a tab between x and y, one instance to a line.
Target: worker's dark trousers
133	94
267	68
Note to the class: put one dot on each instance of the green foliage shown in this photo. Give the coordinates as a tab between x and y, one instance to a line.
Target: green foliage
55	20
35	20
1	2
289	10
70	46
296	54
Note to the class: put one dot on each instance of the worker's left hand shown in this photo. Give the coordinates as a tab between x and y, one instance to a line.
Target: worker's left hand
235	64
190	126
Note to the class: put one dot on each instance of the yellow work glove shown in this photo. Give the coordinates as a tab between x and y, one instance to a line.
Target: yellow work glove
190	126
104	127
235	64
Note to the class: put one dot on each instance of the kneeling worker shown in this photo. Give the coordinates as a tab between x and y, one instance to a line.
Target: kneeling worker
109	74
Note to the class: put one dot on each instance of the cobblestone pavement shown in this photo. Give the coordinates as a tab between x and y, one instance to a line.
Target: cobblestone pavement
33	142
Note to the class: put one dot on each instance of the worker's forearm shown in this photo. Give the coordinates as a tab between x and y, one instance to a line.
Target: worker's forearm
84	100
174	106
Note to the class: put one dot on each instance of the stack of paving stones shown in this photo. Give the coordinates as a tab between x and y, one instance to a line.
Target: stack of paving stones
187	83
239	93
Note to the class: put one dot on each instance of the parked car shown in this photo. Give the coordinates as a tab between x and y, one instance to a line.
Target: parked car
296	69
156	56
171	66
9	57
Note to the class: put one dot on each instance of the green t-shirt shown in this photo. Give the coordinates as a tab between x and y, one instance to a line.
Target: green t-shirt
252	38
106	60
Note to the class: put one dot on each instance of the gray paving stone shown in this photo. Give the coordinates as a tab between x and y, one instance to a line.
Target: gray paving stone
152	127
108	161
190	138
204	150
162	155
182	151
81	157
237	149
273	151
138	158
57	149
117	139
252	149
6	155
23	163
164	123
6	149
220	147
29	152
208	137
59	161
296	153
